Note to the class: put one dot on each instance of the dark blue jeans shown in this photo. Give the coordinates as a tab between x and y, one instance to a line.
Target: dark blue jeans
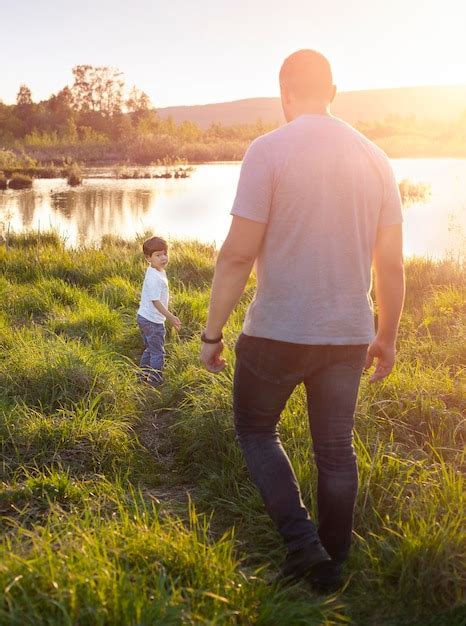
153	357
266	374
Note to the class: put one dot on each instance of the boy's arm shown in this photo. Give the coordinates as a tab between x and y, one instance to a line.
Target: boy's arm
164	311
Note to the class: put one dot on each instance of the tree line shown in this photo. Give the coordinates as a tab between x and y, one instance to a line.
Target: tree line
95	120
95	102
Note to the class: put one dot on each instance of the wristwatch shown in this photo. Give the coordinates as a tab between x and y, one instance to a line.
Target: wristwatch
205	339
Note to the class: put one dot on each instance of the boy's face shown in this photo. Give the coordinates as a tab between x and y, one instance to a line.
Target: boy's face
158	259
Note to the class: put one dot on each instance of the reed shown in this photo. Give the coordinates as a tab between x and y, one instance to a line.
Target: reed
74	175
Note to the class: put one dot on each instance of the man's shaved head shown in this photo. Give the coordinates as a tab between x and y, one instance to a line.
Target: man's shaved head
307	74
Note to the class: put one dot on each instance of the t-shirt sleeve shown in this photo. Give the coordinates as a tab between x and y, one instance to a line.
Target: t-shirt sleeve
254	192
391	205
154	287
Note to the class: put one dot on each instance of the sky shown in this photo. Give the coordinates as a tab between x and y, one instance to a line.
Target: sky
184	52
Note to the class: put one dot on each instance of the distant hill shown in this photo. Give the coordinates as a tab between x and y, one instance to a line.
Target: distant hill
433	103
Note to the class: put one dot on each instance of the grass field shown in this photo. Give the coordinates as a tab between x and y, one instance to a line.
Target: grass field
96	524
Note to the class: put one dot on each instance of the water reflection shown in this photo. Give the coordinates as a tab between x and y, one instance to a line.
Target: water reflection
60	203
27	206
96	210
82	215
196	208
199	207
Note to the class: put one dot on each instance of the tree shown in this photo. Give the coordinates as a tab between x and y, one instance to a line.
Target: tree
97	89
25	112
60	102
138	101
58	112
24	96
8	123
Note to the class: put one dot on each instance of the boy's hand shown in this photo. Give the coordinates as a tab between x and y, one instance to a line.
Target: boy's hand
385	354
210	357
175	321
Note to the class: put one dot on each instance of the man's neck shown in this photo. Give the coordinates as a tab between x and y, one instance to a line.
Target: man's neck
306	110
306	107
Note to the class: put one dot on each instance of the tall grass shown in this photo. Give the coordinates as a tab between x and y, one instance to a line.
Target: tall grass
87	536
135	567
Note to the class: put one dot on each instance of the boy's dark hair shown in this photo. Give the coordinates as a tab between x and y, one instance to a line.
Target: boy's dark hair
154	244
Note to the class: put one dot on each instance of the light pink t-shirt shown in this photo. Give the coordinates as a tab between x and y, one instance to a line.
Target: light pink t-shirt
323	189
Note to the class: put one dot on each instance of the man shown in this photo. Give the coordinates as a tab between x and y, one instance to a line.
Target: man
317	206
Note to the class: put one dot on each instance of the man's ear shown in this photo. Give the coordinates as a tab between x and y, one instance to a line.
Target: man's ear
285	96
333	93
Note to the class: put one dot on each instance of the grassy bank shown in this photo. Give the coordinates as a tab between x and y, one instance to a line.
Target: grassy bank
95	525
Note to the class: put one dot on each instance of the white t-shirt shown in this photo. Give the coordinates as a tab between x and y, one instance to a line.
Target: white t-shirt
323	190
155	287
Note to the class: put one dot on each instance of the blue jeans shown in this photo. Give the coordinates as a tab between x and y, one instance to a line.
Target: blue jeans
153	357
266	374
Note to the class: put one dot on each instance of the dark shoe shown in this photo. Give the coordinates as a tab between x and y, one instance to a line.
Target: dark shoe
326	577
300	564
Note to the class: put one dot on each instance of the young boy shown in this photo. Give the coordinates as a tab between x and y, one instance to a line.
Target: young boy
153	310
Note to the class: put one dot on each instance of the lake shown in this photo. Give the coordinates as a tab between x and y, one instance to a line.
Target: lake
198	207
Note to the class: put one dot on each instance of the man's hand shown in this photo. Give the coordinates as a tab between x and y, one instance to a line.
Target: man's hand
385	354
210	357
389	295
175	321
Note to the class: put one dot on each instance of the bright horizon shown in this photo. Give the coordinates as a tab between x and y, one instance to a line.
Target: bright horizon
186	53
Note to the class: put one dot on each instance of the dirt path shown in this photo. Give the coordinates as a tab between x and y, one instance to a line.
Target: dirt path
172	494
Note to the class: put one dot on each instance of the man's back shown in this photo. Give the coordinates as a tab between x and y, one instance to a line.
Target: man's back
323	189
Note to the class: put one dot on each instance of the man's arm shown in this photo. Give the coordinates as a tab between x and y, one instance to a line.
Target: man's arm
389	292
232	270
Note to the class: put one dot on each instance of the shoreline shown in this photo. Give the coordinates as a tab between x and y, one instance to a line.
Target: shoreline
50	171
54	237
